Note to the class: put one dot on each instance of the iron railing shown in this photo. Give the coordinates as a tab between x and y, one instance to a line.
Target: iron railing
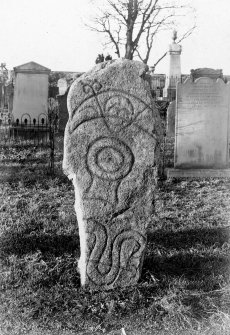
27	131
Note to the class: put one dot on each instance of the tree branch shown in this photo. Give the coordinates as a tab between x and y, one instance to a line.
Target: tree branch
186	34
128	23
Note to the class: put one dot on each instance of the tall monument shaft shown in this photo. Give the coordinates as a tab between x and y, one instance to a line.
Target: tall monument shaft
174	70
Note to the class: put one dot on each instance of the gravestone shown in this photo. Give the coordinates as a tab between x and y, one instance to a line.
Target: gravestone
202	123
62	86
30	100
170	135
110	149
170	126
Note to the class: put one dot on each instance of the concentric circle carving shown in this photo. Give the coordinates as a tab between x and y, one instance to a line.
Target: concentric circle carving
109	158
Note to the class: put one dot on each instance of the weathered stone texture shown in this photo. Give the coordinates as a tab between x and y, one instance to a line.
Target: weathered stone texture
109	152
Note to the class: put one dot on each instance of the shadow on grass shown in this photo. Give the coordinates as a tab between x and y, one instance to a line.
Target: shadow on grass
206	237
191	254
57	245
190	266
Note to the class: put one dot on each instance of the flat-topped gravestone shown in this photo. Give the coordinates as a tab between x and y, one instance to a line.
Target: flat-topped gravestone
109	152
30	101
202	123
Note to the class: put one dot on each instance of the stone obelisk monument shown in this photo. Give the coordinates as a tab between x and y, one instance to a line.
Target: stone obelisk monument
174	69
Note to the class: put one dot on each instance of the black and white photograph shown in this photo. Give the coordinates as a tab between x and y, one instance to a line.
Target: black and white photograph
115	167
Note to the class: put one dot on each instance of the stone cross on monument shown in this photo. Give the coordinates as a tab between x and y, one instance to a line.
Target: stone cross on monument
174	70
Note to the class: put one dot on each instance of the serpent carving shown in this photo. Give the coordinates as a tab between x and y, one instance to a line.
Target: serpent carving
108	258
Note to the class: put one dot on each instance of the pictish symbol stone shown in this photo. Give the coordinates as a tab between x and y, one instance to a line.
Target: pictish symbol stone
110	144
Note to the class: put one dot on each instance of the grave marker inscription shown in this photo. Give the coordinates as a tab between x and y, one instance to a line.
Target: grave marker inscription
202	123
109	152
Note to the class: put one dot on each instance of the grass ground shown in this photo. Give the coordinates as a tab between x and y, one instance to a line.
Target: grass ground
184	288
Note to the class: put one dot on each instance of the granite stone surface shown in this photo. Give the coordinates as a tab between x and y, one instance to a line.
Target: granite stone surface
110	151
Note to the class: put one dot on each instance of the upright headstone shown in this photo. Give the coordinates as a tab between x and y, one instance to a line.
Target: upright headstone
202	124
62	85
30	100
170	126
170	135
109	152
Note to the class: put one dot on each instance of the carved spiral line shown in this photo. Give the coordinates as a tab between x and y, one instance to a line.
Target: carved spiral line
94	88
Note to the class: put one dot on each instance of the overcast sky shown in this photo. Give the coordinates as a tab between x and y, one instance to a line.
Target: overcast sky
52	33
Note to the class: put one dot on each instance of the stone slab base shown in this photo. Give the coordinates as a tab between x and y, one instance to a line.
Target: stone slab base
198	173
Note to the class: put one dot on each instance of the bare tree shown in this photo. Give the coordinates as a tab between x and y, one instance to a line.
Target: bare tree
131	26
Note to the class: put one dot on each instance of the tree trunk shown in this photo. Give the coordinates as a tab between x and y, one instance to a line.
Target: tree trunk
128	51
132	14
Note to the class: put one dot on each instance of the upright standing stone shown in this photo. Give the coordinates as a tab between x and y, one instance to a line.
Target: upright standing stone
202	123
109	152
